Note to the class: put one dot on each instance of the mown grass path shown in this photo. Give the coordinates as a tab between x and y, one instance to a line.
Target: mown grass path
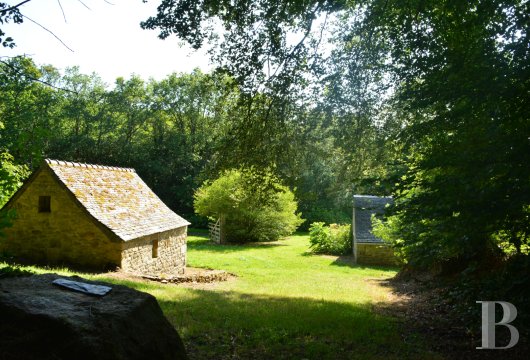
284	304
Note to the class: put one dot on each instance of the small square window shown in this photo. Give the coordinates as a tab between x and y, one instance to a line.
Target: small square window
155	249
45	204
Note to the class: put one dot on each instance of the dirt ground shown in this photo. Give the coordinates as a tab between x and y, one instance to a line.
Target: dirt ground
422	309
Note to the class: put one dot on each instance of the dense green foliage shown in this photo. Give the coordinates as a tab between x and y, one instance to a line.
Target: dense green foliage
333	239
464	84
166	130
176	133
11	177
446	83
248	215
308	118
9	14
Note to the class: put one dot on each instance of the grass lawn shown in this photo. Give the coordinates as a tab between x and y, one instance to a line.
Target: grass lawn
283	304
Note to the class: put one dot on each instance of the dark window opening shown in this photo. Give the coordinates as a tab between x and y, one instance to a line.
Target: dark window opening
155	248
45	204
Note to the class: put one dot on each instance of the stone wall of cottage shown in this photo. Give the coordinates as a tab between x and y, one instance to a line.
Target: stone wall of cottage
65	235
170	258
375	254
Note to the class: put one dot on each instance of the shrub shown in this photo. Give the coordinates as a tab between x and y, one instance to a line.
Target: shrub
333	239
11	176
252	212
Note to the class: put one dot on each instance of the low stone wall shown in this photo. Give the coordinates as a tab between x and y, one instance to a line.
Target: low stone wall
206	276
138	256
375	254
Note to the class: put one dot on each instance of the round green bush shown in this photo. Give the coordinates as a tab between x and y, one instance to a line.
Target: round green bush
252	211
332	240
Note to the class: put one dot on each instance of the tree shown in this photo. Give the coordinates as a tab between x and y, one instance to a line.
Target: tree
249	215
464	74
188	116
81	134
258	56
10	13
255	35
27	110
168	130
456	75
11	176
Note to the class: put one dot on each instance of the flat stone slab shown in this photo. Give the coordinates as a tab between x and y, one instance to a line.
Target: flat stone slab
83	287
39	320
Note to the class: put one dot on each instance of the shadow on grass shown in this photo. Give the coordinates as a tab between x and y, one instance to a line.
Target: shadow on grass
13	270
229	325
206	244
41	267
347	260
427	308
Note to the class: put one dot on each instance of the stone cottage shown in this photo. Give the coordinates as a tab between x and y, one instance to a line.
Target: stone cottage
367	248
97	217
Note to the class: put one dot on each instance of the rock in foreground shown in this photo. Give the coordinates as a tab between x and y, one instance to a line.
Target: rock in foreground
39	320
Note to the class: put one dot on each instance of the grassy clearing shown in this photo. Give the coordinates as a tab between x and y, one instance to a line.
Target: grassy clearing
284	304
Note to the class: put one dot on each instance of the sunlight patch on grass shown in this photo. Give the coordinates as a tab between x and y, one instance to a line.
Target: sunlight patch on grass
285	269
285	303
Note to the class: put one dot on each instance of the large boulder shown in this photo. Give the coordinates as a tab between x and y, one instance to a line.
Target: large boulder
39	320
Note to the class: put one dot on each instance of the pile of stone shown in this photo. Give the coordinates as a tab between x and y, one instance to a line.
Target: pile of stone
204	276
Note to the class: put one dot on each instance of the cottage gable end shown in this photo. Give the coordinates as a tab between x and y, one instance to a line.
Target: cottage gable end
95	216
63	234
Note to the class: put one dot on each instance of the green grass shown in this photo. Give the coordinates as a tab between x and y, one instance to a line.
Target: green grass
285	269
284	304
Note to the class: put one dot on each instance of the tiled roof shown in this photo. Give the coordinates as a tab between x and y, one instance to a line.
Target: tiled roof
118	198
364	206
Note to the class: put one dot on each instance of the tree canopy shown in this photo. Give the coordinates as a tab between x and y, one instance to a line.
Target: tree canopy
9	13
176	132
443	86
